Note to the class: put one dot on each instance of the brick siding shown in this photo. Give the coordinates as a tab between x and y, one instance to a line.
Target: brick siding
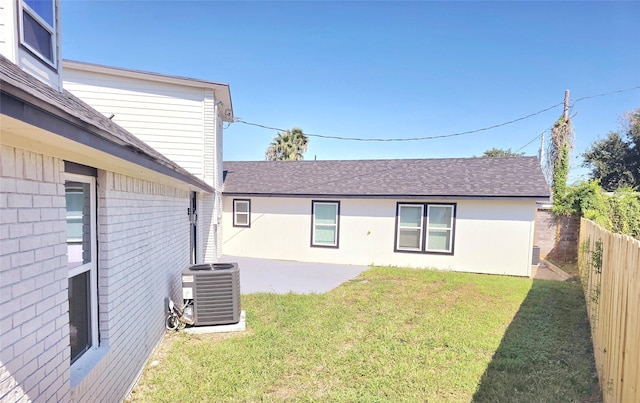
34	324
144	243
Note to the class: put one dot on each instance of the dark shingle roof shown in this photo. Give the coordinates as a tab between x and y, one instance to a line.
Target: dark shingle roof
509	177
67	106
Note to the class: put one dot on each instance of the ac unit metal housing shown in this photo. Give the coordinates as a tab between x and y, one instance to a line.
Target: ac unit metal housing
215	290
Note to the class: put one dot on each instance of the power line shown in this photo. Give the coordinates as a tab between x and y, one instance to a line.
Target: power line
444	135
535	138
406	138
541	133
605	94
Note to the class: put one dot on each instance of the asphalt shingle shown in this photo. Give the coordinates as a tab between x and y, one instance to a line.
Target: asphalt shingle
510	177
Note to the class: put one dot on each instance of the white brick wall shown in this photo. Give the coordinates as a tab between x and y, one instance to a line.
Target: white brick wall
143	232
143	235
34	327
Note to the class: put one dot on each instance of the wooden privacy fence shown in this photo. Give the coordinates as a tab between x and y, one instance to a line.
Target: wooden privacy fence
610	273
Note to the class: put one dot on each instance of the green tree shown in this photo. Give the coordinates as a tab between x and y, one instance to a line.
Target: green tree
500	152
289	145
615	160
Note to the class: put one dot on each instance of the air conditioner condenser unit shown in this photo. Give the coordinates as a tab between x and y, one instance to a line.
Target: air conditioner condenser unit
214	289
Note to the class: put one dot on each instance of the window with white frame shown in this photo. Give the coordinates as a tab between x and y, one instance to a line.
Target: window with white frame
241	213
439	228
325	223
81	263
410	226
425	227
38	28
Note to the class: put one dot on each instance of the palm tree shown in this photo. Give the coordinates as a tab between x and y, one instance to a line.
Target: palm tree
288	146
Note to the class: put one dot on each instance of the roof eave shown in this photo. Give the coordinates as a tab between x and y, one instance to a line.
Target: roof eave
391	196
28	108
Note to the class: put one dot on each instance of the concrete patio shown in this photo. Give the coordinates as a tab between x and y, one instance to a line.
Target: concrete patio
283	276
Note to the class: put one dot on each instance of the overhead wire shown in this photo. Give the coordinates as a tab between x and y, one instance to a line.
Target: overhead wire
535	138
605	94
370	139
408	138
541	133
573	104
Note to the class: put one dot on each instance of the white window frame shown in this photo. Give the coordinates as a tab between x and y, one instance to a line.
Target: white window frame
24	8
450	228
424	228
92	265
236	213
421	239
336	237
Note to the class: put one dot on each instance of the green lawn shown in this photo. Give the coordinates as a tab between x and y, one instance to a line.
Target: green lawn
391	335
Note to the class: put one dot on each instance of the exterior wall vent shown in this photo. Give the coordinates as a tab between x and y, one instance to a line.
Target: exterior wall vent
215	291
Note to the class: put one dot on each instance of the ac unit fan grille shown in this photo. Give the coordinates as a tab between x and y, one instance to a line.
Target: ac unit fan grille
216	297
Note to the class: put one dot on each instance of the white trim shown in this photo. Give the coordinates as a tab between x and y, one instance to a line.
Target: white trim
92	265
237	213
335	233
421	228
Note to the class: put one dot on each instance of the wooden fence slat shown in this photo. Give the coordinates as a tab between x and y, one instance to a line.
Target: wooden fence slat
631	387
624	312
612	295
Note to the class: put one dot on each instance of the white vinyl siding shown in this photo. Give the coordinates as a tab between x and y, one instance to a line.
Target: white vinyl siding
168	117
4	32
325	224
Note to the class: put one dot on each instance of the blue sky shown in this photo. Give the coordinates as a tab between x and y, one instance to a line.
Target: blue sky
381	69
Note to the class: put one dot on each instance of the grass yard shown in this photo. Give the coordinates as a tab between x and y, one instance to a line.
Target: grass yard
391	335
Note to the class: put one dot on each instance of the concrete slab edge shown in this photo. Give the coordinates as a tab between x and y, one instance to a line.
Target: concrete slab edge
235	327
565	276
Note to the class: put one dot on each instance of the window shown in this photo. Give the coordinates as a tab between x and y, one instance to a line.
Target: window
325	223
81	263
410	227
425	228
241	213
439	228
38	32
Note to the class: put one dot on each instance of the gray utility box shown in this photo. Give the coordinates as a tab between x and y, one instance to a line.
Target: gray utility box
215	291
535	256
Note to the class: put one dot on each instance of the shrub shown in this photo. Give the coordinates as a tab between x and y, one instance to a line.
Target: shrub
618	212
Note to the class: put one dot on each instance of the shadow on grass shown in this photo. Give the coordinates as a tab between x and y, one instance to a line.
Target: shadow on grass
546	353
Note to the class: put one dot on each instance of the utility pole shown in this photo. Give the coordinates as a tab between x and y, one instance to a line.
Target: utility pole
565	115
541	153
